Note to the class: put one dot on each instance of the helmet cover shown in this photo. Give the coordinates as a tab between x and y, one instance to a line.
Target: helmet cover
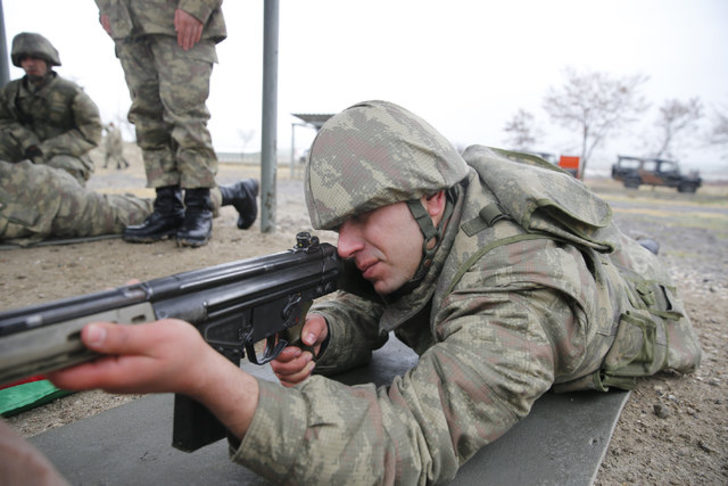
373	154
34	45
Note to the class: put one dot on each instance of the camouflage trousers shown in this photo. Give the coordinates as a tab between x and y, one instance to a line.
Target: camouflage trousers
80	168
169	88
37	201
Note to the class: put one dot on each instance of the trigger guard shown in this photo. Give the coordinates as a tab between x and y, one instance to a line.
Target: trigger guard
270	353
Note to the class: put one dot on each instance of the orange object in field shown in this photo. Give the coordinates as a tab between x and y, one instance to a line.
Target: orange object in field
570	163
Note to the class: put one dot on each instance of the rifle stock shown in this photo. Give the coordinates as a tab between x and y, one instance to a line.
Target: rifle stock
233	305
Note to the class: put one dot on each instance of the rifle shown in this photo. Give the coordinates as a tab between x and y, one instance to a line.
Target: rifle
252	306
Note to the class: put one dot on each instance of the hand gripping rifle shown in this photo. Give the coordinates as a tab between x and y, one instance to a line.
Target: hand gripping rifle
244	307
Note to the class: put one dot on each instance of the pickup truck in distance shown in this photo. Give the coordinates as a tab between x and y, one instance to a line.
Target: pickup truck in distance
635	171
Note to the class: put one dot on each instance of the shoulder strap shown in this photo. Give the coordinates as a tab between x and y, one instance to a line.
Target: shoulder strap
488	216
485	249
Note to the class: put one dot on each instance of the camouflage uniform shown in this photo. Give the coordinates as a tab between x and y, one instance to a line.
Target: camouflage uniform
168	86
531	288
58	117
37	202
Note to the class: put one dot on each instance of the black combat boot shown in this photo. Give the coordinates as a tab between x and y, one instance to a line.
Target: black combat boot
243	196
168	215
197	227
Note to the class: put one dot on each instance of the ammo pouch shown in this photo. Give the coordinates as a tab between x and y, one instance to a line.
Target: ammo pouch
642	346
652	332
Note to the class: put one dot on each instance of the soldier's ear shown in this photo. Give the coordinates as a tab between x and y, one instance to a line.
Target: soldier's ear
435	205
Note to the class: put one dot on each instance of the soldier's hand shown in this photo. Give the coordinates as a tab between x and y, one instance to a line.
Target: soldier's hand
105	23
142	358
189	29
293	365
166	356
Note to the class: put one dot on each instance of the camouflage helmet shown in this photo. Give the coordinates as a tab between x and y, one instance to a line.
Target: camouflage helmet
373	154
34	45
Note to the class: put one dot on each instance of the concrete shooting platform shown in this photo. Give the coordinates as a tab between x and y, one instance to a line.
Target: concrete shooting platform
562	442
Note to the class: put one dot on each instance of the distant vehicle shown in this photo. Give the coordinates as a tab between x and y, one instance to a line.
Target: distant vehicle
635	171
567	162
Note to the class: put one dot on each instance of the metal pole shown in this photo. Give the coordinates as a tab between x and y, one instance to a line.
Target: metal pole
293	146
4	68
270	119
293	149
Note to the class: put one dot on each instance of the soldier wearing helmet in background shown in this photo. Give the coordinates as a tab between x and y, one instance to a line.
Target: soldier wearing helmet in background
43	117
167	51
506	275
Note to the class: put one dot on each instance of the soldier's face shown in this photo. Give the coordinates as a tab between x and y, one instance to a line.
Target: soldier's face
34	67
385	244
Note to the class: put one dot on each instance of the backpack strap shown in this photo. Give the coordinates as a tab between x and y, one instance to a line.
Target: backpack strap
485	249
488	216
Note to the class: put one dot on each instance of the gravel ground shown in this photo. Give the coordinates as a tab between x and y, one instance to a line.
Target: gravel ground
673	430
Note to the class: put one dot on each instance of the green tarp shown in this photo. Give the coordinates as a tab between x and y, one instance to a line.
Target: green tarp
19	398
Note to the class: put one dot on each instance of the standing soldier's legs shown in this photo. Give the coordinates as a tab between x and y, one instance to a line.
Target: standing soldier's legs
169	88
153	131
184	82
107	153
184	85
153	134
37	201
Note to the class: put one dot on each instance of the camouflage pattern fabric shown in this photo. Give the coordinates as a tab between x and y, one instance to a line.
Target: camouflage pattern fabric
551	296
59	118
168	86
138	18
38	202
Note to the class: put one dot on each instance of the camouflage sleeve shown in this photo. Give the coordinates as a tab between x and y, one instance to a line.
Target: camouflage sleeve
11	125
200	9
353	332
495	358
103	5
85	136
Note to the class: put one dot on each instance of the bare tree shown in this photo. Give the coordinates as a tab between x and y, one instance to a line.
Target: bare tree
677	117
596	104
522	131
719	133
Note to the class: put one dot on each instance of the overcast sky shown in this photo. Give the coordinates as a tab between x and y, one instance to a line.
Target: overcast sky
465	66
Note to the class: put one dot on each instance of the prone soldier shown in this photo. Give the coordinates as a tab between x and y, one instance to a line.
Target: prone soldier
506	275
39	202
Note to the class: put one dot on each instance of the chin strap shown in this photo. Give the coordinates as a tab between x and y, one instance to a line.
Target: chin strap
431	234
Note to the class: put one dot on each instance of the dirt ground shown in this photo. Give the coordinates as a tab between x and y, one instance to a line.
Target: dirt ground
673	430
